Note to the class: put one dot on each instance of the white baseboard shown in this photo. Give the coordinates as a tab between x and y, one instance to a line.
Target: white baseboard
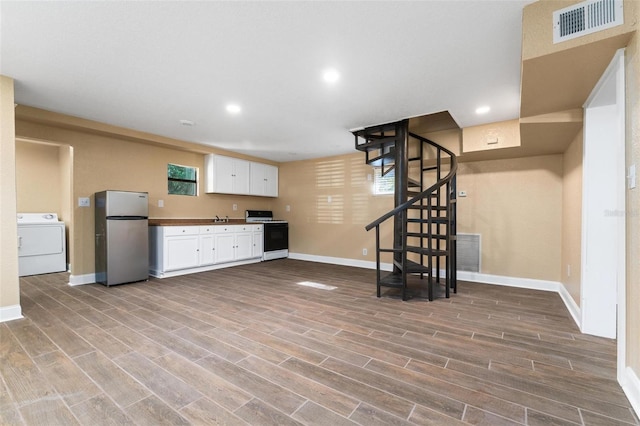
10	313
631	388
529	283
340	261
156	273
533	284
509	281
571	305
82	279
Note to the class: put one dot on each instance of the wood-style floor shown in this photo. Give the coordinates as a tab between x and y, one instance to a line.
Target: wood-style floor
248	345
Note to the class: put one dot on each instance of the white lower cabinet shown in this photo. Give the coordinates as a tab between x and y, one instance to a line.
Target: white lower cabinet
258	243
206	246
235	242
225	244
181	252
177	250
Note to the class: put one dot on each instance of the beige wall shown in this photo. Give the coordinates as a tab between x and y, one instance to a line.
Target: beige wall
9	285
108	162
632	72
38	178
537	40
335	229
516	206
572	218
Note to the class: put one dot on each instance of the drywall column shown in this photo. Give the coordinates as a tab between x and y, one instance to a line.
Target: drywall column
630	376
9	283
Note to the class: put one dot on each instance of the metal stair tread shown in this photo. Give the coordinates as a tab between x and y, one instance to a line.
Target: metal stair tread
427	220
373	144
413	267
427	235
392	280
423	207
426	251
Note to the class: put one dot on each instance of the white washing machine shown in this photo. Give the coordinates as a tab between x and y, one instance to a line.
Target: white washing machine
41	244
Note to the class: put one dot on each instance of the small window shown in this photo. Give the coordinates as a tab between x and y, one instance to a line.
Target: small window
383	184
183	180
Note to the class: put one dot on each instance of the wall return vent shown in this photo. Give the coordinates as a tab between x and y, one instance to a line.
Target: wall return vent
585	18
468	252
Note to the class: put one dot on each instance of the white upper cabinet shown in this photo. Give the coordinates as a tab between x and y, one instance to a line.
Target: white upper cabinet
228	175
264	179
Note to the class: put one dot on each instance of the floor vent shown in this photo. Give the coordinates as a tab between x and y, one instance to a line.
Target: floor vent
586	18
468	252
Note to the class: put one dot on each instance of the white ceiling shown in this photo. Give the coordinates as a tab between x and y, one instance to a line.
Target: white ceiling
148	65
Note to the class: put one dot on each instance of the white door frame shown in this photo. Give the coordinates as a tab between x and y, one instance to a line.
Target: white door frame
603	209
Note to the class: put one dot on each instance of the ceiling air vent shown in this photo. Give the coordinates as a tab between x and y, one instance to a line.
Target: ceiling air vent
586	18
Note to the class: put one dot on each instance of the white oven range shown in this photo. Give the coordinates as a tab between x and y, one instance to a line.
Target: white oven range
276	233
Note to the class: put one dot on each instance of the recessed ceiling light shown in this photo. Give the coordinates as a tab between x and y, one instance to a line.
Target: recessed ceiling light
233	108
483	109
331	75
188	123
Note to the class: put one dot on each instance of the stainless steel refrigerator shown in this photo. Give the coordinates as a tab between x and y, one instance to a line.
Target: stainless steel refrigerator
122	237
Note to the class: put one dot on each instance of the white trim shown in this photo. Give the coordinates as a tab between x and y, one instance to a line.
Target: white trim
509	281
340	261
168	274
631	387
619	58
82	279
10	313
601	95
533	284
571	305
529	283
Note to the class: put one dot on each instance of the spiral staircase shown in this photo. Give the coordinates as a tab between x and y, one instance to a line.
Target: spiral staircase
423	219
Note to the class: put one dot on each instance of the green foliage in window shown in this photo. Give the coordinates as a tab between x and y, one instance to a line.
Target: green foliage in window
182	180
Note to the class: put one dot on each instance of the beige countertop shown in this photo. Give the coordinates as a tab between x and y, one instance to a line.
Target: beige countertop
193	222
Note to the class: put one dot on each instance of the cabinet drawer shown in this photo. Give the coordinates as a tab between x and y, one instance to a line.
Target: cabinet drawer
207	229
247	228
224	229
180	230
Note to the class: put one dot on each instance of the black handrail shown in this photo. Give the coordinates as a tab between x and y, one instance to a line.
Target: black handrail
406	205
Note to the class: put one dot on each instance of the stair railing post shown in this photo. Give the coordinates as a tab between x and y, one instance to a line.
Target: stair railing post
378	259
400	197
447	266
454	234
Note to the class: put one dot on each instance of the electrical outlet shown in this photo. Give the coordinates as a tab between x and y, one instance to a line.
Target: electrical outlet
235	207
288	208
364	251
84	202
329	199
160	203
